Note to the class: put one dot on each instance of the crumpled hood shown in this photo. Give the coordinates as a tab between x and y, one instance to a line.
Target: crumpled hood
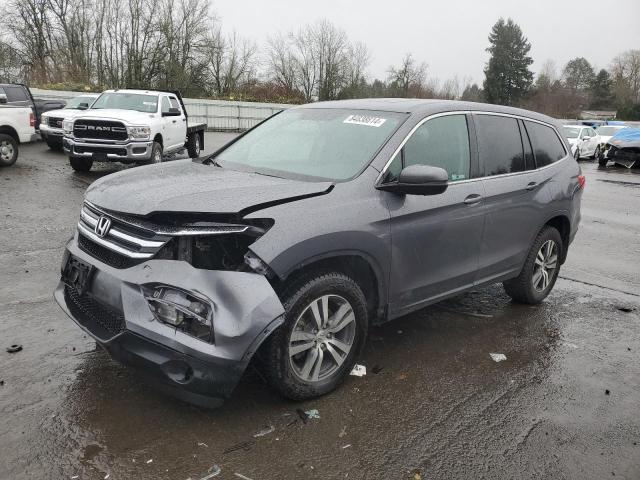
186	186
129	117
626	138
572	141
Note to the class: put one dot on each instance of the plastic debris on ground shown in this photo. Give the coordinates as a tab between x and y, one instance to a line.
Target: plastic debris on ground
239	475
498	357
358	370
201	444
625	309
240	446
313	413
266	431
348	445
14	348
213	472
150	461
343	432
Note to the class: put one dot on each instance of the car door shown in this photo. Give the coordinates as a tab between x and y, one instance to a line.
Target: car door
594	140
511	186
168	124
435	239
180	124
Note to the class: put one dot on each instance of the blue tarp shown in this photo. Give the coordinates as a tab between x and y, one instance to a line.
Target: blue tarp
627	135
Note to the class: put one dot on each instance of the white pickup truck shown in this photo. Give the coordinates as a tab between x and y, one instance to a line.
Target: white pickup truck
131	126
17	125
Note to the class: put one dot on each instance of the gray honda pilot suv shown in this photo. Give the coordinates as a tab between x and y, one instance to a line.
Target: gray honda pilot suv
286	244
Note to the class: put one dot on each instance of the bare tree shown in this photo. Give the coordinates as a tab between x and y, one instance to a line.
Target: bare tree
230	60
306	67
282	62
625	69
409	76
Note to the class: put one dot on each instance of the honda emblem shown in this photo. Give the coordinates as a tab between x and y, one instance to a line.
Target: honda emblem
103	226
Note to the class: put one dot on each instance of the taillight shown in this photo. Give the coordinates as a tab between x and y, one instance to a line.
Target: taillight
581	181
32	120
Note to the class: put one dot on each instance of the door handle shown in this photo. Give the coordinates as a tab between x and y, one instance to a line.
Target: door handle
531	185
473	199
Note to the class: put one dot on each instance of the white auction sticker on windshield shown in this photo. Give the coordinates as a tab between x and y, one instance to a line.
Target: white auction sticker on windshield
367	120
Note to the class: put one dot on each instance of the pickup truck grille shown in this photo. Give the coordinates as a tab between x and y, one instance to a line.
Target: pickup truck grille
115	242
100	129
55	122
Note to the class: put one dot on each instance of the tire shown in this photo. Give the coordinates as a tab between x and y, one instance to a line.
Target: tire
300	376
80	164
596	153
55	146
156	153
602	161
8	150
529	287
194	145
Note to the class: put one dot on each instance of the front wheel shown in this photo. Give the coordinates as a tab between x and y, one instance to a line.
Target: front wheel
324	329
8	150
80	164
596	153
540	271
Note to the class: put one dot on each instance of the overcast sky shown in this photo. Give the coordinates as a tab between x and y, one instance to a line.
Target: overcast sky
450	35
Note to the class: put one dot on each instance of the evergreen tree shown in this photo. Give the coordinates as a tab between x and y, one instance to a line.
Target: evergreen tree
578	74
601	94
507	75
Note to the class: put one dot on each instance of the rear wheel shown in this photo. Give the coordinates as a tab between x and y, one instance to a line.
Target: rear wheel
540	271
324	329
193	145
8	150
80	164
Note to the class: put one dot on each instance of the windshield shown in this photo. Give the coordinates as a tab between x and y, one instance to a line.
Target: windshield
74	103
607	131
312	143
127	101
571	132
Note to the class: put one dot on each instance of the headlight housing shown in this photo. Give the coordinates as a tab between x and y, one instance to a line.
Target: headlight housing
67	126
139	133
184	311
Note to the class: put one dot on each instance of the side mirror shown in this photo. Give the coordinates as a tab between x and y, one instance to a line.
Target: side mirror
3	98
173	112
419	180
83	106
585	138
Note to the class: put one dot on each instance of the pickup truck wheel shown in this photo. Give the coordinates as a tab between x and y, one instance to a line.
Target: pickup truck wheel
80	164
156	153
324	329
540	271
8	150
193	145
54	145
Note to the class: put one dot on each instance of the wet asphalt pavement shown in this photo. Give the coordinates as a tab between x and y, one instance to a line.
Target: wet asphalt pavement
433	405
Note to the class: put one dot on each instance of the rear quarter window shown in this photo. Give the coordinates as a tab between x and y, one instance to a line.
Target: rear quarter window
16	94
547	147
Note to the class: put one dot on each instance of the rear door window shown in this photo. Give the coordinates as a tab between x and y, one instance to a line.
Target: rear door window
547	147
440	142
499	144
174	103
16	94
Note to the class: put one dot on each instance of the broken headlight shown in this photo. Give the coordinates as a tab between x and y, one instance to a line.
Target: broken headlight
187	313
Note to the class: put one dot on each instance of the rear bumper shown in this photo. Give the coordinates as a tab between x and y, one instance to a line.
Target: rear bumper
114	152
115	313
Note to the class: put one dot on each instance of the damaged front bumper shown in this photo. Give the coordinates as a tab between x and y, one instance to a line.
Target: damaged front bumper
115	311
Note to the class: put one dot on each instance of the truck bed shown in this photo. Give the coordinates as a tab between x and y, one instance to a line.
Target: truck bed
195	127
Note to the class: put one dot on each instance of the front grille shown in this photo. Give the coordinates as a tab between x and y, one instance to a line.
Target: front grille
105	255
102	321
55	122
114	151
120	238
630	154
100	129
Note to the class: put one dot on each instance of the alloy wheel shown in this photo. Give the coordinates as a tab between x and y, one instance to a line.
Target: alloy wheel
6	151
322	338
545	265
197	145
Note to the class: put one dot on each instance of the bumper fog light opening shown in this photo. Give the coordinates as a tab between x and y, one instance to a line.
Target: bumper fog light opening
181	310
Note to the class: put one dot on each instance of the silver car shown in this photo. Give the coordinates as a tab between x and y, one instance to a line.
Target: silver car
286	244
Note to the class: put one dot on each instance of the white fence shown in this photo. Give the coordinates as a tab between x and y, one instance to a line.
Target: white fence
219	115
